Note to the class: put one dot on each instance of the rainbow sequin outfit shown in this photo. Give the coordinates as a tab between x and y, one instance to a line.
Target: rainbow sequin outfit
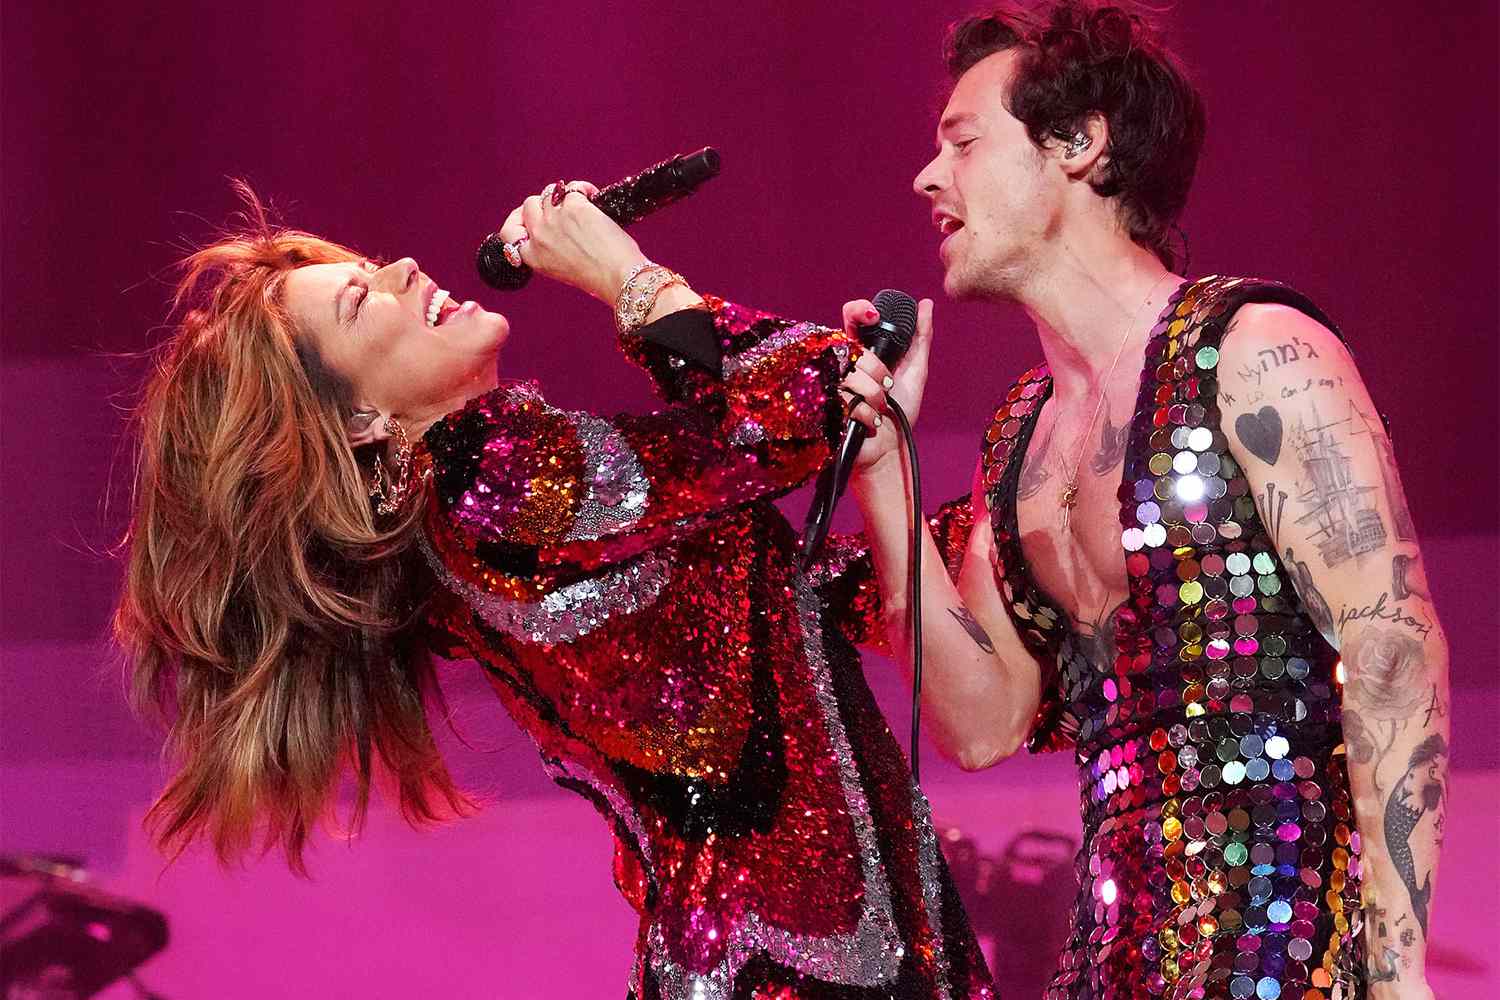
633	595
1219	856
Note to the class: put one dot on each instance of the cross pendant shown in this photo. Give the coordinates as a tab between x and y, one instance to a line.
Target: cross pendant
1068	501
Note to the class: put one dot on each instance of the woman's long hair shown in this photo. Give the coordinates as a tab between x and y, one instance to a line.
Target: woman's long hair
266	617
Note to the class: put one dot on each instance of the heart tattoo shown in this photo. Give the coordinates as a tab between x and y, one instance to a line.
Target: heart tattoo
1261	433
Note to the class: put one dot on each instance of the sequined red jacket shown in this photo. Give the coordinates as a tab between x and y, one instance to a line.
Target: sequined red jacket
633	594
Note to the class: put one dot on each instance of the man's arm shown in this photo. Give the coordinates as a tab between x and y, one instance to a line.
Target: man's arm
1320	465
980	685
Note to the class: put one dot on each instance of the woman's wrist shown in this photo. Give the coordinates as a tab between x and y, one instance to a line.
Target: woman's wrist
673	298
615	276
649	292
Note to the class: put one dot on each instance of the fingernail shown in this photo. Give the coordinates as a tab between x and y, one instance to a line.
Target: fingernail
878	420
888	382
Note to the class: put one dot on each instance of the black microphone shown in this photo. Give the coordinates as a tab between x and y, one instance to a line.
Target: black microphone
625	201
889	337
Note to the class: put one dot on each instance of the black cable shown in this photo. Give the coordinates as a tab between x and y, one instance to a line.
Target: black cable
914	582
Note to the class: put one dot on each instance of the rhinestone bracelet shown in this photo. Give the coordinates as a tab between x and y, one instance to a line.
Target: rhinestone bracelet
638	295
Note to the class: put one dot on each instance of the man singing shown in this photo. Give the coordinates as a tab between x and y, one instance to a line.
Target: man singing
1180	522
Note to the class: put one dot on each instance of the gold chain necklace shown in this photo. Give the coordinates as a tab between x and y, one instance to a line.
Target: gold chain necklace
1069	497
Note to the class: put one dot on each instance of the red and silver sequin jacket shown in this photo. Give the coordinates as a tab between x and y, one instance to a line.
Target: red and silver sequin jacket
632	593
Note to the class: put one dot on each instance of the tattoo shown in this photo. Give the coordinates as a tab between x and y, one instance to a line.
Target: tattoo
1273	358
1260	433
1402	584
1384	967
1345	522
1434	707
1385	682
1358	742
1288	391
1097	639
1273	505
1313	601
976	631
1385	670
1034	471
1112	442
1419	791
1395	497
1379	612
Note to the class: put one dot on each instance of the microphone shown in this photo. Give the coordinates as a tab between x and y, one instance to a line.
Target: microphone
625	201
889	337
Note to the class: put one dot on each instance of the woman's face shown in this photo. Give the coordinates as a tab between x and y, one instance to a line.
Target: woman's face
405	347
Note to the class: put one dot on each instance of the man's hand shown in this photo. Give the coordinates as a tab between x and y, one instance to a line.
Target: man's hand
871	379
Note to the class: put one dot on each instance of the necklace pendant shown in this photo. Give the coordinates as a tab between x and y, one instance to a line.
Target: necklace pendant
1068	501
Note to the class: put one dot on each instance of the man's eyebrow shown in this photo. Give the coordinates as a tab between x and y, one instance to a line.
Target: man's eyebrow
953	121
956	119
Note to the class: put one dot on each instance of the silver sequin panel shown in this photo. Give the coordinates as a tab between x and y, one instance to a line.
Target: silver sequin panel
929	872
737	364
570	611
617	485
871	954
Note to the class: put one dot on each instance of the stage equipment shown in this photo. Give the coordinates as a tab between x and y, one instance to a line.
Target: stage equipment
626	201
1019	900
61	938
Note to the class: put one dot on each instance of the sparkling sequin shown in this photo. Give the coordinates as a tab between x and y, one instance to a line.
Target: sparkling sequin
1221	848
634	598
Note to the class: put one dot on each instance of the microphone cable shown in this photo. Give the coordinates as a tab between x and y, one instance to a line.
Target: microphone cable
914	580
914	583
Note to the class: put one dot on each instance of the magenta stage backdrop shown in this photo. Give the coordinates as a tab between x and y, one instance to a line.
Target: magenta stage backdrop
1352	152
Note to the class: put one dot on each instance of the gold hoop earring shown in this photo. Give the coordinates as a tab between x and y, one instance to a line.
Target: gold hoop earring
391	493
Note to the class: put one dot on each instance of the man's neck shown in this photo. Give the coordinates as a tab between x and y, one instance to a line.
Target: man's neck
1092	304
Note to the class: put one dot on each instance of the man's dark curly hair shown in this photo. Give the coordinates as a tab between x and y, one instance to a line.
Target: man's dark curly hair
1078	57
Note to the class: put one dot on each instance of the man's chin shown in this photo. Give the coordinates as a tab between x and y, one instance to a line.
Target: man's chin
956	284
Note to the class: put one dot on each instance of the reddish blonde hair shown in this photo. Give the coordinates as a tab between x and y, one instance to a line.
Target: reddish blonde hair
266	617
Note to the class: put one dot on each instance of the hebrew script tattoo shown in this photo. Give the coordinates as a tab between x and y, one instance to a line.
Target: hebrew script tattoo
976	631
1272	358
1112	442
1342	515
1034	471
1418	793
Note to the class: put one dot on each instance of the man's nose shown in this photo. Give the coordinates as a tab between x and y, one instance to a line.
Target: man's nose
928	180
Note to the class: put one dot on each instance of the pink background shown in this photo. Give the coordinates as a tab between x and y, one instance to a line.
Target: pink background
1351	152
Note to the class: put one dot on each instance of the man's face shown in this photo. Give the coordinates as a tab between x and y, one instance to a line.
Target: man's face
993	197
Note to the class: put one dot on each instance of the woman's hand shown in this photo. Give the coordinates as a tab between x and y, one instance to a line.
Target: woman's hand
565	236
870	378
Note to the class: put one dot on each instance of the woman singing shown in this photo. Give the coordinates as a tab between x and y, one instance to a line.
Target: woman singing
332	484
